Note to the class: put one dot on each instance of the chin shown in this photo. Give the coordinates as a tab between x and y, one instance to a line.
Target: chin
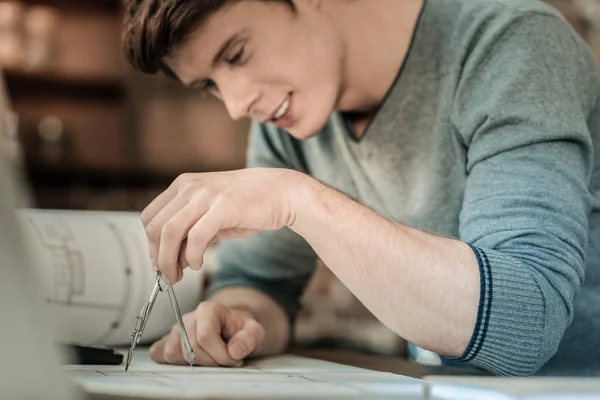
309	128
301	133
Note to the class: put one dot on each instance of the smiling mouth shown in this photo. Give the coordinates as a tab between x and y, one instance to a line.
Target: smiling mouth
283	108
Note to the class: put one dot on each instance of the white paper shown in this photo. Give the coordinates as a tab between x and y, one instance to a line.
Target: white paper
96	275
495	388
285	376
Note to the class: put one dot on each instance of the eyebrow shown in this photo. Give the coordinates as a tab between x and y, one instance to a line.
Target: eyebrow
222	50
224	47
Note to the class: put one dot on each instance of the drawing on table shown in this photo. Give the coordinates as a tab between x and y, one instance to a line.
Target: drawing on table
274	377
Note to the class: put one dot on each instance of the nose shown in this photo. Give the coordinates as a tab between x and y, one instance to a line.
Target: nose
239	99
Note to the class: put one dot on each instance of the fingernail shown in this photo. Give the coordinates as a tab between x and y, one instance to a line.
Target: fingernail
239	350
239	364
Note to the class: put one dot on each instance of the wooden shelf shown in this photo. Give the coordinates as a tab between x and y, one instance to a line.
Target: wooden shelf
23	82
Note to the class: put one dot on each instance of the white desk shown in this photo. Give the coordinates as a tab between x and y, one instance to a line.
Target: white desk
542	388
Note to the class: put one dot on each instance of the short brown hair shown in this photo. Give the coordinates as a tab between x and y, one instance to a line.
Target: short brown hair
152	28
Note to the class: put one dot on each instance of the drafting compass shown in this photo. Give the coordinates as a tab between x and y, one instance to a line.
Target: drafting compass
142	320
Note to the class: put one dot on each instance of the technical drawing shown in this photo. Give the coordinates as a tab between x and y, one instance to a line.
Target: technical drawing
68	268
95	275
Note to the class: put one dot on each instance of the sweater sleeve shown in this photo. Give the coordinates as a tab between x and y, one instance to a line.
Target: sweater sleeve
277	263
521	108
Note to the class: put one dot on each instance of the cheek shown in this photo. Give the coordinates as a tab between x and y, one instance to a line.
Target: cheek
311	68
318	96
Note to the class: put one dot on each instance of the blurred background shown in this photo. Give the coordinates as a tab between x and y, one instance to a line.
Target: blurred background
92	134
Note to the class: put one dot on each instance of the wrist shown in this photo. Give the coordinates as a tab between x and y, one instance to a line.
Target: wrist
302	196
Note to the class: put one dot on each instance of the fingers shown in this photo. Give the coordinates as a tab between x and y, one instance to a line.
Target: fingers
205	327
154	208
173	352
209	337
172	234
158	352
157	204
170	350
245	341
201	235
192	211
154	227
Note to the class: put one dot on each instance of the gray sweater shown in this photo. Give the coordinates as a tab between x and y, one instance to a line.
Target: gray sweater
487	135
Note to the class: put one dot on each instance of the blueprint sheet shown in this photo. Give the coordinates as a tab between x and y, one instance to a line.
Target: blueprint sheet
280	377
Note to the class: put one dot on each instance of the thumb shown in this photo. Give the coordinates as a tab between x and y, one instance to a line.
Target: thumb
245	341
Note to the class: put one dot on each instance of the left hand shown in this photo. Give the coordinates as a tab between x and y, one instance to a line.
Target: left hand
219	336
199	209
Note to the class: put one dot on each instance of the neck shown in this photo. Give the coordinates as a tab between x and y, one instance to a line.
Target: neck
377	35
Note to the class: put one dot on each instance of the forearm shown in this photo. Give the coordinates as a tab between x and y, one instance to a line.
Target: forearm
262	308
424	287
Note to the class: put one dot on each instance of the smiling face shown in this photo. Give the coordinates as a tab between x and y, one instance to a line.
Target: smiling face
267	62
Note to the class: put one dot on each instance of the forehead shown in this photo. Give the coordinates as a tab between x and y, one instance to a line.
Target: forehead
248	17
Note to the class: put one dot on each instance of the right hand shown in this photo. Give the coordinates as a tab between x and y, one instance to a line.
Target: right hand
219	335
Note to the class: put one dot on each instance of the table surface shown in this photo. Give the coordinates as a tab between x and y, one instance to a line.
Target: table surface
383	363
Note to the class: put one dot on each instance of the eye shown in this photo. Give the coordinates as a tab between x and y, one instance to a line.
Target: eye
209	86
237	58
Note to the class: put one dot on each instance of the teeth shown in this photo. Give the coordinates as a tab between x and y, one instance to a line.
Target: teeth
282	109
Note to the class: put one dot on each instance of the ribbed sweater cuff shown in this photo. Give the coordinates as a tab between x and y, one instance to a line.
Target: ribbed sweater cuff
507	338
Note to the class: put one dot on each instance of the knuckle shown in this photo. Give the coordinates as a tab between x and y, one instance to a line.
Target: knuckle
208	308
224	201
169	231
203	336
257	329
182	179
205	307
195	237
209	192
188	187
152	230
145	216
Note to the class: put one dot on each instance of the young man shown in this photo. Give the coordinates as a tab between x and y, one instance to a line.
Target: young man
443	168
